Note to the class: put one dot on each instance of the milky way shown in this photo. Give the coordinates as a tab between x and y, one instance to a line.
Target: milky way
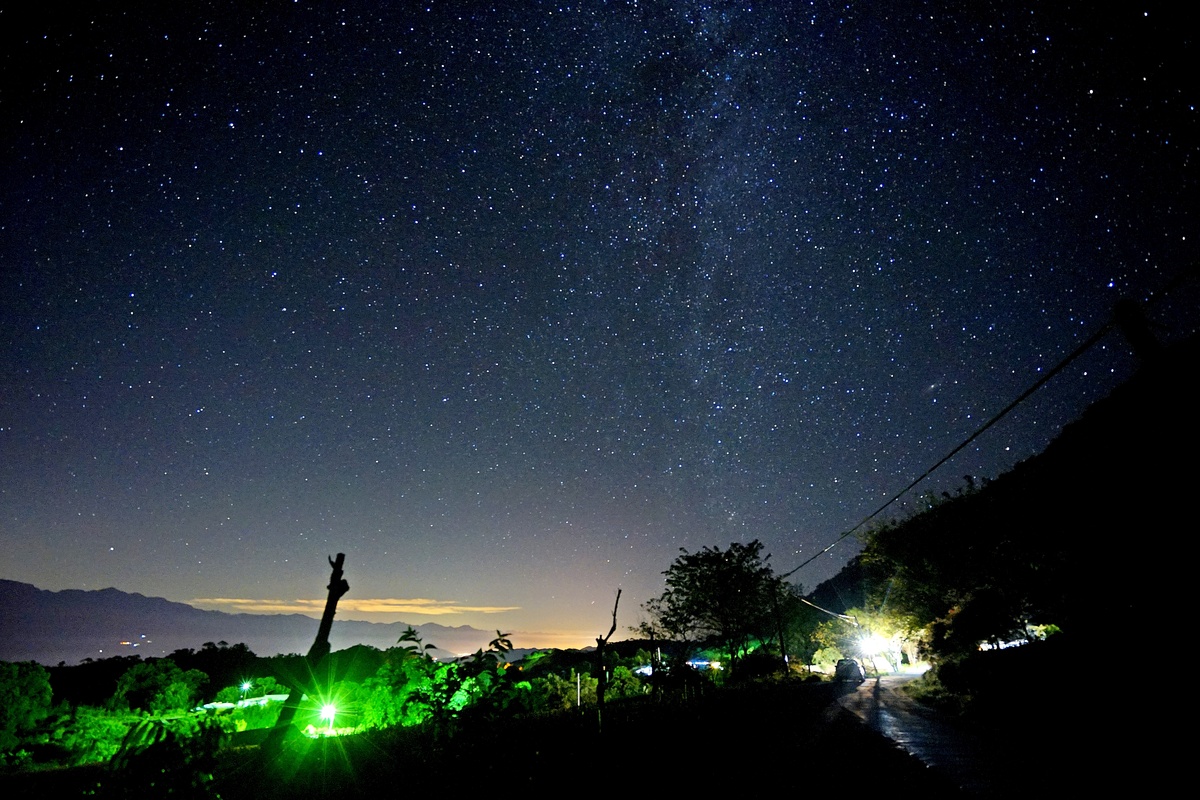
510	303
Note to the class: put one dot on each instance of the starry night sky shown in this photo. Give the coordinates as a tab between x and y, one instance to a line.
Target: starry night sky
510	302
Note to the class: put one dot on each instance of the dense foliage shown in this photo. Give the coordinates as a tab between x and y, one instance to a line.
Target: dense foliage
158	686
24	702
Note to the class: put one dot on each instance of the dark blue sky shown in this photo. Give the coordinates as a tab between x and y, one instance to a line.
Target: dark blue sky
510	303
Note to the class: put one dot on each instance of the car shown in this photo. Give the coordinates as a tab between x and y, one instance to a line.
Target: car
848	669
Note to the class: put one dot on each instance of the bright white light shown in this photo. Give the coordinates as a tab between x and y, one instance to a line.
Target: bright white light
874	645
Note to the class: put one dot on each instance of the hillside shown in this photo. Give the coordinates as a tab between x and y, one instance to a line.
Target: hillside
1083	535
74	624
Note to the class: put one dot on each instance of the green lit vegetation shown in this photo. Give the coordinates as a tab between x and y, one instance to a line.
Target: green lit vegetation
168	723
24	704
56	718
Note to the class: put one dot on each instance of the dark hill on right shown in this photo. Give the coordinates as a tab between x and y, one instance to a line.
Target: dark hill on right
1089	536
1108	503
1091	539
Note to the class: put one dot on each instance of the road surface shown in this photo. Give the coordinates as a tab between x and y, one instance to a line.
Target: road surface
967	761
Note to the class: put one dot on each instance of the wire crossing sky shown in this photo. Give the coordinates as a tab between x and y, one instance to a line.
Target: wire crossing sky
510	302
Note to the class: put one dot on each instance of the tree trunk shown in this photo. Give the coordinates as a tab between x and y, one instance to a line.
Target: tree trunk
316	654
601	675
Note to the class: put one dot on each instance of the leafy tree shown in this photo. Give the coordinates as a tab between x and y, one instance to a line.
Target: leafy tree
158	686
825	658
91	682
623	684
799	623
989	614
24	701
730	596
386	695
555	692
222	663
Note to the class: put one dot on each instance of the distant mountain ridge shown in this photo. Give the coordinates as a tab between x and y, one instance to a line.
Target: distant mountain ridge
74	624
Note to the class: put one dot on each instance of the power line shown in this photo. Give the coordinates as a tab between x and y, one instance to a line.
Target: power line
1127	315
1078	351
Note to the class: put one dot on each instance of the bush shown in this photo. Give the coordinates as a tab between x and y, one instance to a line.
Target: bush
92	735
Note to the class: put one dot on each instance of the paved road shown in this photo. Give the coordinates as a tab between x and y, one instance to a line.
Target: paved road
967	761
